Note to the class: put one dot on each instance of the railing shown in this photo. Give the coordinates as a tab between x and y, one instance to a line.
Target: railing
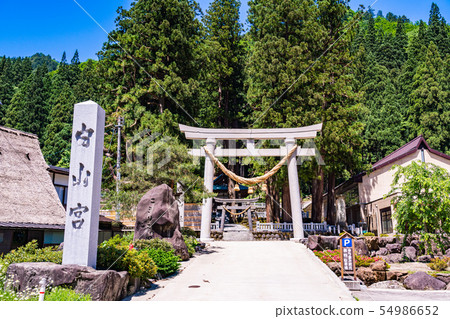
215	226
274	226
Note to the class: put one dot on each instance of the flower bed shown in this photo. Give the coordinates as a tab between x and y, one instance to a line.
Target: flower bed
327	256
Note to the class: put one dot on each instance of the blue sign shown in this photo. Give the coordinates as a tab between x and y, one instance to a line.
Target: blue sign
346	242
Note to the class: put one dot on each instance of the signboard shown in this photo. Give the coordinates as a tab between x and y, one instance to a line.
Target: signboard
347	250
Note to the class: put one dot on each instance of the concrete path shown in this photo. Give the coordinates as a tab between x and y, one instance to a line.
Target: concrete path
251	270
236	232
401	295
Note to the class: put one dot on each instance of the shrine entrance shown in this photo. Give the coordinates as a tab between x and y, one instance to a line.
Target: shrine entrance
289	153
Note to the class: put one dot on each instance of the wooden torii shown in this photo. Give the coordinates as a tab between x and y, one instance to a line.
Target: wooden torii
289	135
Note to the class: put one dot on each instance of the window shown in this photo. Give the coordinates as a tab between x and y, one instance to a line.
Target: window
62	194
386	220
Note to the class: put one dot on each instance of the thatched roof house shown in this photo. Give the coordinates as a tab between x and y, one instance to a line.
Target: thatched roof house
29	204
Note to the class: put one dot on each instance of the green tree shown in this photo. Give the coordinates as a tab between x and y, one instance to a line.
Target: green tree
222	74
28	110
429	112
58	133
438	30
422	201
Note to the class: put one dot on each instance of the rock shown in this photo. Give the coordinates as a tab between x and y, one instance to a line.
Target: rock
422	281
443	277
329	242
372	242
448	287
158	217
416	244
393	258
313	242
373	253
361	247
303	241
367	275
106	285
382	252
383	241
388	284
394	248
103	284
396	275
379	265
447	252
335	267
410	252
400	238
424	259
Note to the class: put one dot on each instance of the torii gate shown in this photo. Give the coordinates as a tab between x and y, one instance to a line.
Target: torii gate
289	135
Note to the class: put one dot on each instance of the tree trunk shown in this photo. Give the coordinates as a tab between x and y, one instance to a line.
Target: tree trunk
317	196
272	209
331	199
286	215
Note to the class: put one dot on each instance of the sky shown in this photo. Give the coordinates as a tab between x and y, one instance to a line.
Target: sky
55	26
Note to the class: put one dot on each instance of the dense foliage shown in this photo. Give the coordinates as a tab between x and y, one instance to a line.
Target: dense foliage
422	202
374	81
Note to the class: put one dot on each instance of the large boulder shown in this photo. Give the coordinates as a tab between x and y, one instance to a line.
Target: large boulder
105	285
417	245
388	284
393	258
329	242
367	275
361	247
424	259
158	217
382	252
410	253
371	242
379	265
422	281
383	241
394	248
396	275
313	242
443	277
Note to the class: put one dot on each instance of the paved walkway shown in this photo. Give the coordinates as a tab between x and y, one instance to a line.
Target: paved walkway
251	270
401	295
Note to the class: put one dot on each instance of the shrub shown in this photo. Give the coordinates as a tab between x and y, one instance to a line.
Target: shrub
166	261
369	234
155	243
438	264
191	243
115	254
65	294
28	253
187	232
384	235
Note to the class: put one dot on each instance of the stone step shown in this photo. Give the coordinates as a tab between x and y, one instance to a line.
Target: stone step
237	236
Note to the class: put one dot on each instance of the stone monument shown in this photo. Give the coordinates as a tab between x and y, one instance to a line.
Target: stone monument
158	217
85	177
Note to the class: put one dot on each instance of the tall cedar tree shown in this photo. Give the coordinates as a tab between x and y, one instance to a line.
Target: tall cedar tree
28	110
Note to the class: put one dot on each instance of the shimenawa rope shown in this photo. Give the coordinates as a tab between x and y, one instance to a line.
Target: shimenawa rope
254	180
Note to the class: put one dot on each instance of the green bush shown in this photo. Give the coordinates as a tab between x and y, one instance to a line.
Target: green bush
191	243
28	253
65	294
166	261
155	243
384	235
438	264
369	234
187	232
115	254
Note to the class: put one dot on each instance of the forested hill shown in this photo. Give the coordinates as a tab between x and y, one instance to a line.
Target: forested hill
384	82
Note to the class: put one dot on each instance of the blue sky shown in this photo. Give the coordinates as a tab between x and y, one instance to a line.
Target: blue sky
54	26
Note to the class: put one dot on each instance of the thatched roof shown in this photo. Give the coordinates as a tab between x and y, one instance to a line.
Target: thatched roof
27	194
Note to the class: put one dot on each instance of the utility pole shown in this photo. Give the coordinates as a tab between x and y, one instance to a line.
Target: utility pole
119	128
